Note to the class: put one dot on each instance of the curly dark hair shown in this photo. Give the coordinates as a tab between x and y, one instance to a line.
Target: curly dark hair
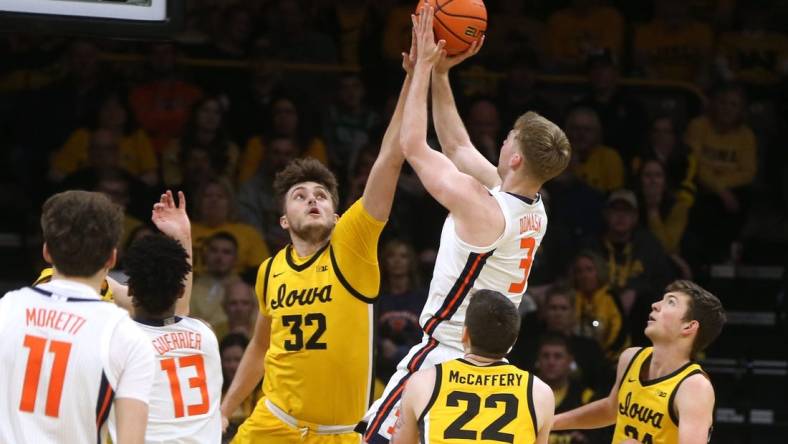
305	170
157	266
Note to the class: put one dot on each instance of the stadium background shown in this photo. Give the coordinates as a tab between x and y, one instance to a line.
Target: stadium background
249	85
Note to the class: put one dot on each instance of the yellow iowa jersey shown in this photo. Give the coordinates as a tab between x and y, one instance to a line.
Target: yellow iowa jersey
645	408
46	276
318	367
487	404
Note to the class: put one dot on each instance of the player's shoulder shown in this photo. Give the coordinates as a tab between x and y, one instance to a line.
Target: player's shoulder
542	393
201	326
423	379
697	382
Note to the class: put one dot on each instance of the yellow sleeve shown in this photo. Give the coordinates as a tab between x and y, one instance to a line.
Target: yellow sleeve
355	246
260	283
317	149
251	159
615	168
696	132
255	248
748	162
144	148
73	155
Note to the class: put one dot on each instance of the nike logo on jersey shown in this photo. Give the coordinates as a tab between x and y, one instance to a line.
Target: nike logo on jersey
631	380
276	275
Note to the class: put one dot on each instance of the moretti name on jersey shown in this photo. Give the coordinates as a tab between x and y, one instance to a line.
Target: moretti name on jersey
303	296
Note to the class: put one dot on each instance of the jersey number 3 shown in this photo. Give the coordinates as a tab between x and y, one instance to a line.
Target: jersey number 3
198	381
35	359
529	245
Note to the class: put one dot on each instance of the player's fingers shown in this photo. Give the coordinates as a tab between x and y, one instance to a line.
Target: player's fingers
181	200
439	48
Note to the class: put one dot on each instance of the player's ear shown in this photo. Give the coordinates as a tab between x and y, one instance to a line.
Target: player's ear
46	255
690	327
113	259
466	339
283	223
516	160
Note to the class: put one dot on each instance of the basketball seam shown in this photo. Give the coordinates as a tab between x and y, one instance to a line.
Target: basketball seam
452	32
463	16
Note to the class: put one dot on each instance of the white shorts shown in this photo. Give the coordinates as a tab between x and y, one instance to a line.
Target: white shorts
382	415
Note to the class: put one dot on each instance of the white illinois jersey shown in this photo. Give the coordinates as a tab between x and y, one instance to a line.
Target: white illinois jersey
503	266
66	355
187	388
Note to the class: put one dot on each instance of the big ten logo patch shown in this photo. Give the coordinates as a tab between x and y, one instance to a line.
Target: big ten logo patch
472	31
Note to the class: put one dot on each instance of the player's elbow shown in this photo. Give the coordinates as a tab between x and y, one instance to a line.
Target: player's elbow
409	143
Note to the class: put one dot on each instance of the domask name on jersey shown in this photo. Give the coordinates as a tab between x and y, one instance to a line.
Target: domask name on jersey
304	296
54	319
177	340
499	379
640	413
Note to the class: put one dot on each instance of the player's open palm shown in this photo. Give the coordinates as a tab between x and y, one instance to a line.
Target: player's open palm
445	63
427	51
171	219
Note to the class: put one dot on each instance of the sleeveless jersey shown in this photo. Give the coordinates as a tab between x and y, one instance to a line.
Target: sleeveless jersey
488	404
645	408
56	381
502	266
187	387
318	367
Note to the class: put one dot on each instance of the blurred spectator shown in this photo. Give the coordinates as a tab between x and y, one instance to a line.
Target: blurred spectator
401	300
623	116
397	32
215	211
114	183
163	103
594	163
483	122
232	37
674	46
284	119
589	362
635	257
554	366
231	349
113	116
251	100
257	205
518	93
598	313
347	123
514	32
219	256
240	309
205	130
580	29
666	144
665	210
726	149
349	19
292	40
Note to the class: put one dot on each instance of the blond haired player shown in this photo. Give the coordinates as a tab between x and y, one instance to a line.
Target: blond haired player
496	221
661	395
479	396
313	340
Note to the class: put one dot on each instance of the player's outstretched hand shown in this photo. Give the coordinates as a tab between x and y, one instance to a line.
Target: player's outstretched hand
427	51
409	58
445	63
225	423
171	219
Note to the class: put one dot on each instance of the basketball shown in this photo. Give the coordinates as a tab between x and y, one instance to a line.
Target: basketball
458	22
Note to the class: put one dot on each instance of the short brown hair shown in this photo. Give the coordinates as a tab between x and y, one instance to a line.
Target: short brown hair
543	144
493	324
305	170
81	229
705	308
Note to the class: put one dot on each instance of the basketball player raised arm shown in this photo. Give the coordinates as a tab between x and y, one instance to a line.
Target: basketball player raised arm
478	216
172	221
377	200
452	135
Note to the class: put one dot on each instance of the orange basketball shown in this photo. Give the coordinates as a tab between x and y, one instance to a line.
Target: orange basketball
459	22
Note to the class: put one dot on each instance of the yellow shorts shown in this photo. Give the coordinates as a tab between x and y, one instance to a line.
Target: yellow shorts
263	427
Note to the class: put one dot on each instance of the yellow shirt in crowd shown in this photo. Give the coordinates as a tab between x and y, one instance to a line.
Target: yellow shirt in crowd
724	160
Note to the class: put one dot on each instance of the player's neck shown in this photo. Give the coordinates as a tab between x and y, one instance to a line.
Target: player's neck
480	360
666	359
305	248
519	184
95	282
141	313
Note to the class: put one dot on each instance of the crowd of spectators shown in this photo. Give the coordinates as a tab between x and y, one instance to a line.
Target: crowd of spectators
649	196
